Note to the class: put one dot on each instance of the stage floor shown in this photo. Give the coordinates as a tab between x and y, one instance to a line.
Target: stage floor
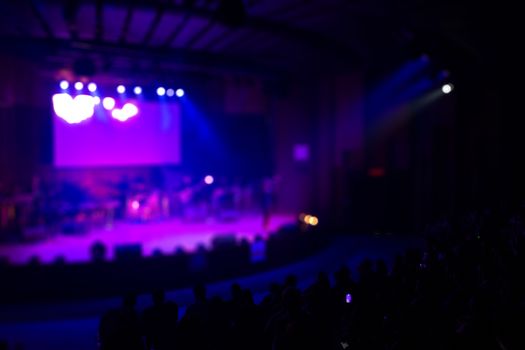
166	236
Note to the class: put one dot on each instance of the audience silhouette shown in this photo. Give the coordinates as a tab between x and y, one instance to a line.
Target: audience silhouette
463	291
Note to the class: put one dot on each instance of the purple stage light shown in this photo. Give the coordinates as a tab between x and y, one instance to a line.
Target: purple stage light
128	111
108	103
170	92
161	91
96	99
121	89
137	90
73	110
348	298
135	205
79	85
64	84
92	87
208	180
180	92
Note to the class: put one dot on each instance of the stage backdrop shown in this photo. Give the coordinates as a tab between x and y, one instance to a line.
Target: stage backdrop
151	137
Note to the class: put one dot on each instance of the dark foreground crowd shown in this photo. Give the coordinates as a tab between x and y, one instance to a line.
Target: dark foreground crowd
463	291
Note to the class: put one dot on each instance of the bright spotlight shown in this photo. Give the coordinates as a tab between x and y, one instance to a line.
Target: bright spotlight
161	91
73	110
92	87
170	92
108	103
447	88
79	86
121	89
137	90
129	110
208	180
64	84
96	99
313	220
135	205
180	92
306	219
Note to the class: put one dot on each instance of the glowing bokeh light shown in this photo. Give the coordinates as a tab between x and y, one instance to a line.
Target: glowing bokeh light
137	90
121	89
180	92
135	205
79	85
128	111
170	92
92	87
73	110
64	85
108	103
96	100
348	298
313	220
161	91
447	88
208	179
306	219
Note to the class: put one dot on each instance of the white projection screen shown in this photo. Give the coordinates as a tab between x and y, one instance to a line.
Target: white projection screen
151	137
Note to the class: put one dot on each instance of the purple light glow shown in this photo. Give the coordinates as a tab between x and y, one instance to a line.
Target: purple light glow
121	89
73	110
161	91
92	87
156	235
108	103
135	205
348	298
79	85
208	180
128	111
64	84
170	92
180	92
152	137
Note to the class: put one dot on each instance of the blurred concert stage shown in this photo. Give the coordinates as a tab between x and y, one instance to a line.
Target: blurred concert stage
165	236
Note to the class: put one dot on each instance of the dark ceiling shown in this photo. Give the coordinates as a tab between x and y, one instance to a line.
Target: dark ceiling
265	35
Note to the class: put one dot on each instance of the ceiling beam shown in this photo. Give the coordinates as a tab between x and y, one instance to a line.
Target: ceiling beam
197	36
41	20
125	26
156	20
110	51
223	36
99	24
176	31
312	38
70	11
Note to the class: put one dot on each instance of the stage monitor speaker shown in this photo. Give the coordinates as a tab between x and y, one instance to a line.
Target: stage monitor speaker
128	252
